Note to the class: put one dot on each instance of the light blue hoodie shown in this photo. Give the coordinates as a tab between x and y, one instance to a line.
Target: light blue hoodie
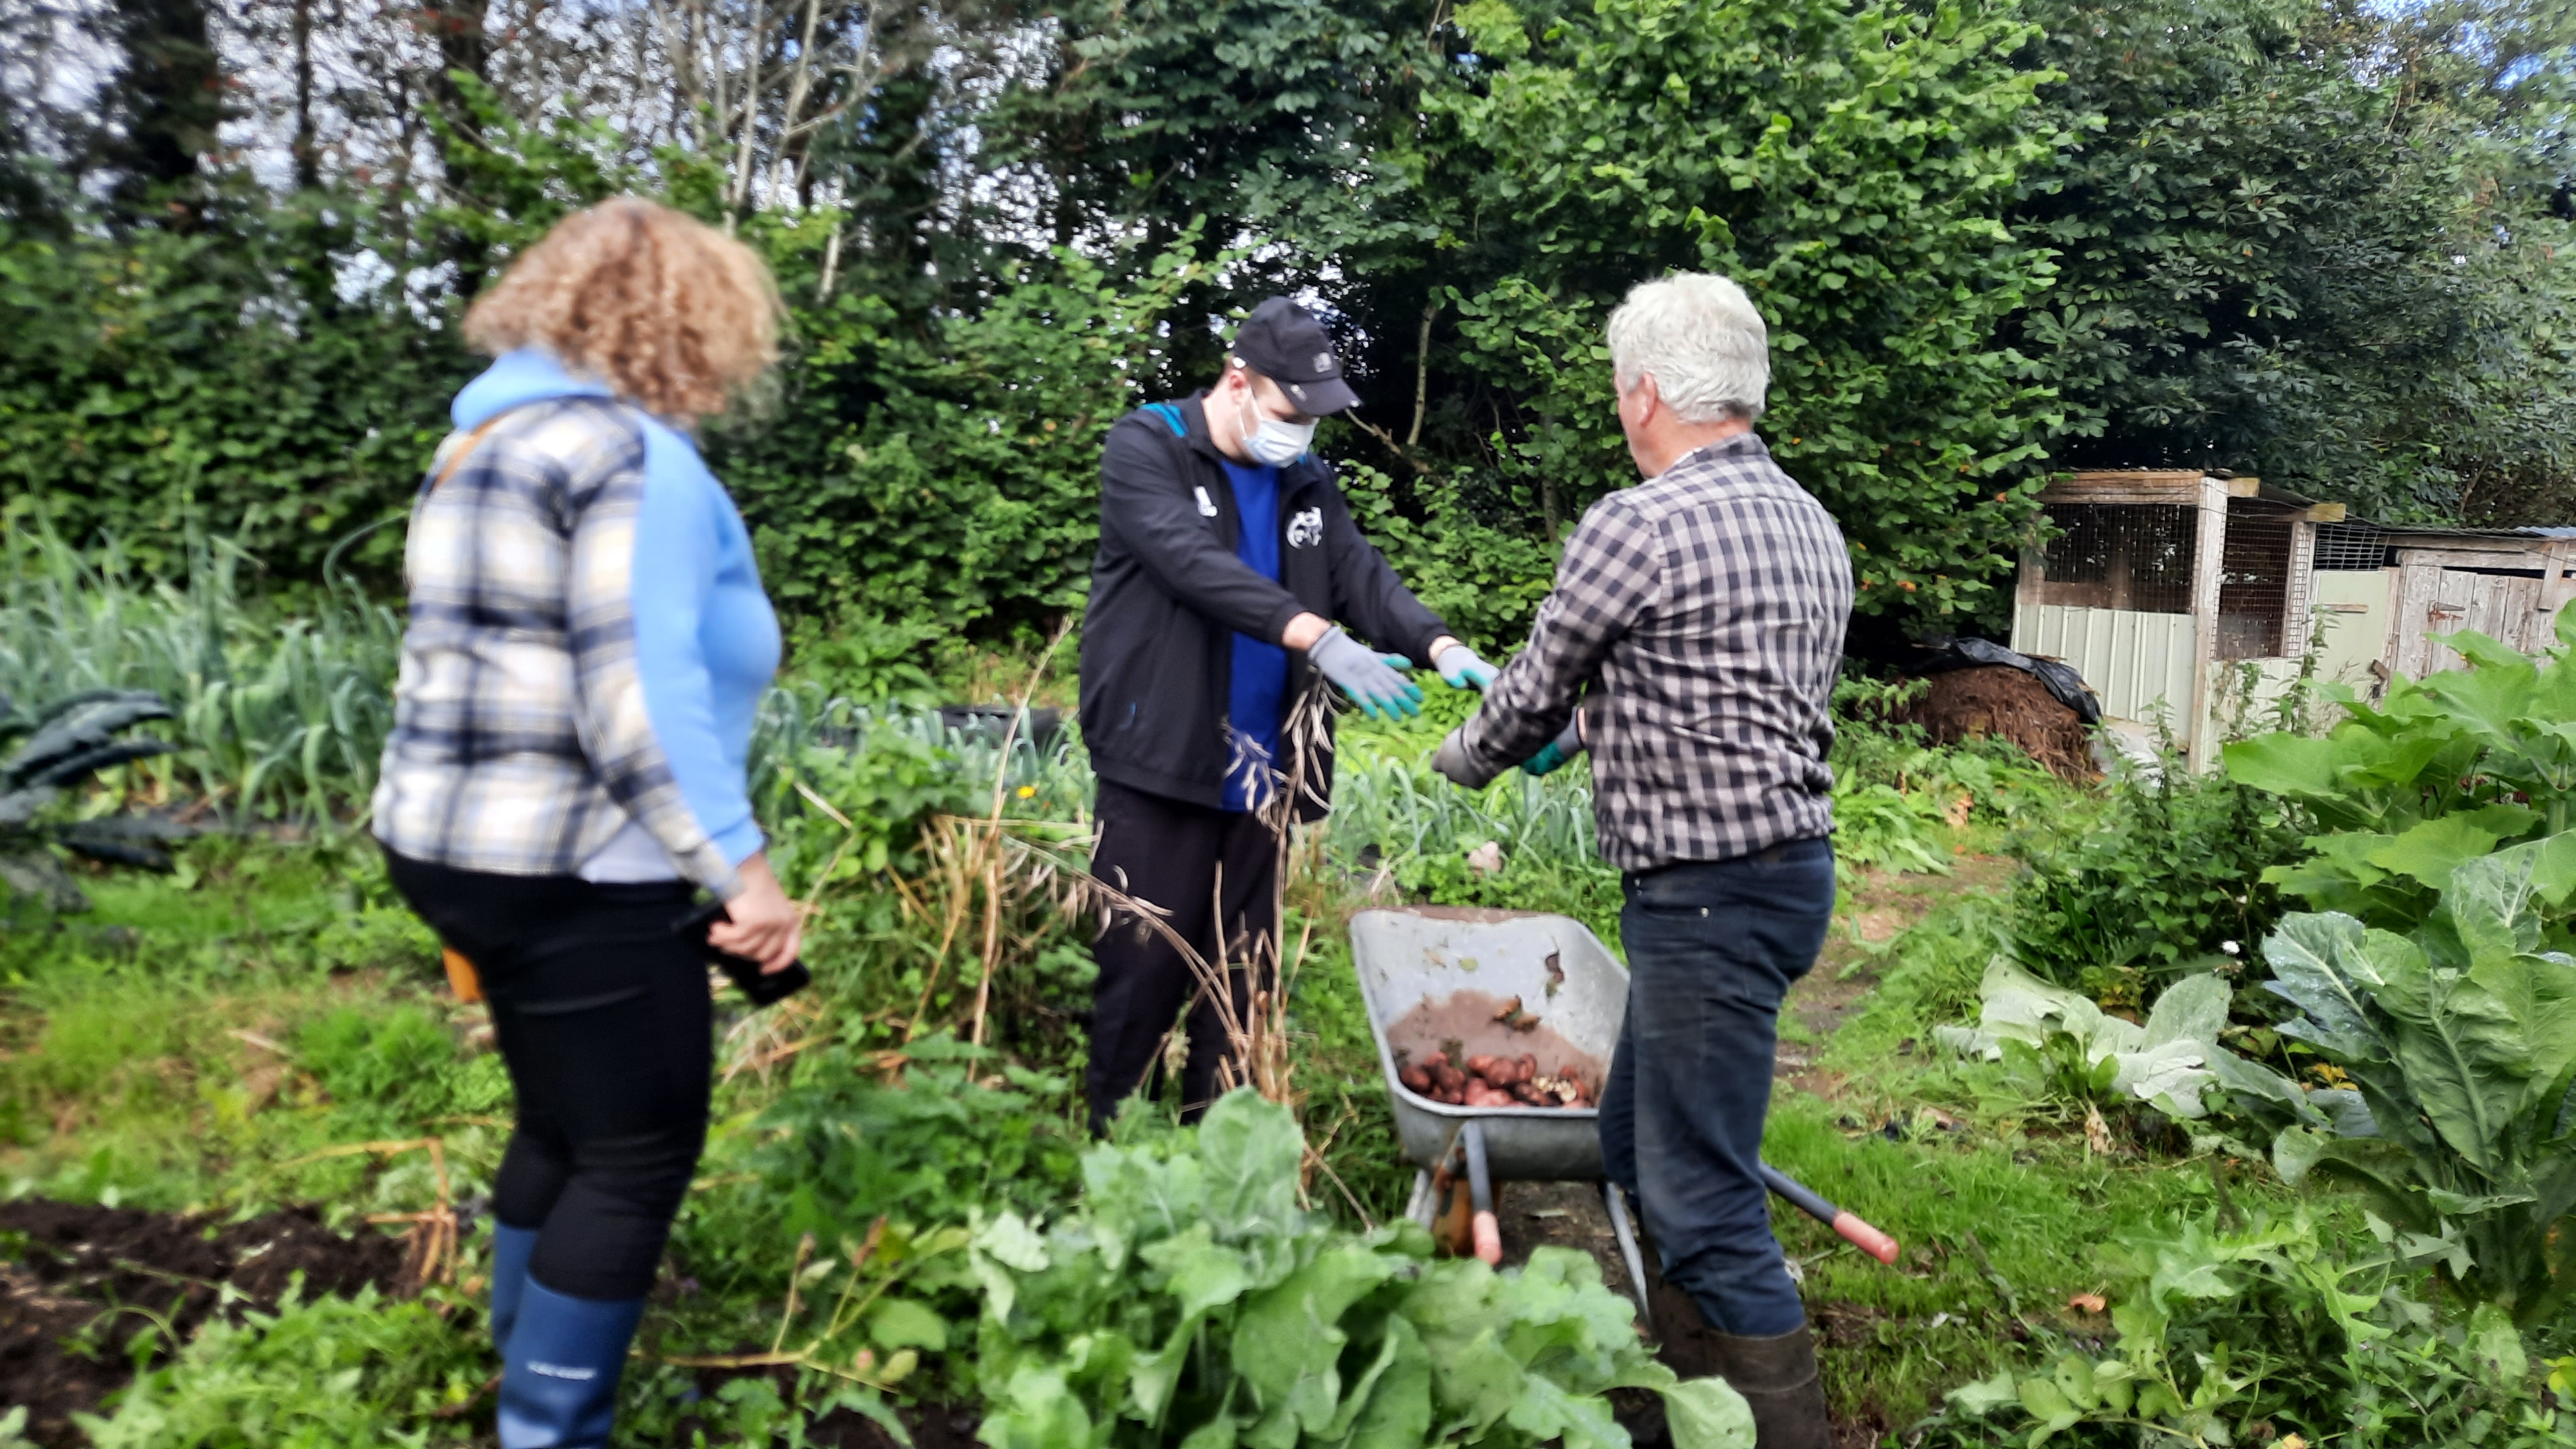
705	641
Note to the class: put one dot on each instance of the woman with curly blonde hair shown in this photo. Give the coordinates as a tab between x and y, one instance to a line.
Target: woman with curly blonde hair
587	644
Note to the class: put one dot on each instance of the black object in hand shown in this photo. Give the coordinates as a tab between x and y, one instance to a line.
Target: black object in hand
763	987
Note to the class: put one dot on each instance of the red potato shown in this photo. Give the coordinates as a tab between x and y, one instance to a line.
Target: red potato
1482	1066
1433	1061
1526	1068
1415	1079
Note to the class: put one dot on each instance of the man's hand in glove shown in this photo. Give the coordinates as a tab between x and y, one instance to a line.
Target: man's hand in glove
1556	752
1453	763
1461	667
1368	677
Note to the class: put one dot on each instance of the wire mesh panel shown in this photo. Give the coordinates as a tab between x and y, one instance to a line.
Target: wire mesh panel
2352	546
2254	583
2135	556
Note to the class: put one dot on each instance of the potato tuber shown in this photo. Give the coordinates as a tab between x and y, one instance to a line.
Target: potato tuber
1416	1080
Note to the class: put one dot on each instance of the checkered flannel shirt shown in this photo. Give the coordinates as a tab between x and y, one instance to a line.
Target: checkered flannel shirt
1710	603
520	742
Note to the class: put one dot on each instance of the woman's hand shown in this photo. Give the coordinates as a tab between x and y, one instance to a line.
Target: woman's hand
766	926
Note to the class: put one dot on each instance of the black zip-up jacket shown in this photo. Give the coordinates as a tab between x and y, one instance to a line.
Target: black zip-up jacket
1168	595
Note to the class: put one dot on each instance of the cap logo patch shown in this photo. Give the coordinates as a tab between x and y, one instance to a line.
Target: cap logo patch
1323	362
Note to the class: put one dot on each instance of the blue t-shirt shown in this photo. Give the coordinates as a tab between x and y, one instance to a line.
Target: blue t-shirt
1252	705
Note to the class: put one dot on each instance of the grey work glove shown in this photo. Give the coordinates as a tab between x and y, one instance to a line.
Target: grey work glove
1454	764
1556	752
1368	677
1463	668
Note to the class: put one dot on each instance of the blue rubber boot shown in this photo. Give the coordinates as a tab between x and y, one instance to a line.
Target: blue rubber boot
559	1371
511	1248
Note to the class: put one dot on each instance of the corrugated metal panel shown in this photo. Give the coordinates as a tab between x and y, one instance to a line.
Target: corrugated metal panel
2139	665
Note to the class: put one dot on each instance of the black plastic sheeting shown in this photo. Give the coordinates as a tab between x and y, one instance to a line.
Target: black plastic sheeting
1941	653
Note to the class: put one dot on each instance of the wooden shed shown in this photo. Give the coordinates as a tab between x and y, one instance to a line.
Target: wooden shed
2156	584
2164	589
2506	583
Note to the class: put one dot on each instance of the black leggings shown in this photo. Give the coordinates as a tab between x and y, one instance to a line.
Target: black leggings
603	1019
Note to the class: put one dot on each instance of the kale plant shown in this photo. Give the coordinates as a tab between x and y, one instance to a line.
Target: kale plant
61	747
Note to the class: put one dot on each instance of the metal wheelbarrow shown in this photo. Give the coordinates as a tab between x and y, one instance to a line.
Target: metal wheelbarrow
1432	974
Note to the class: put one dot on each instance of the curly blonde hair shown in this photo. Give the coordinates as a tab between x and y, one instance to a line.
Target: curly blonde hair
672	314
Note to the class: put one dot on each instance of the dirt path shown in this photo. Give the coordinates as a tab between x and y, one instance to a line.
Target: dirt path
1882	906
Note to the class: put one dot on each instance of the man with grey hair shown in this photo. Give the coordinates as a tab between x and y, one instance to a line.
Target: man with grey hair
1703	610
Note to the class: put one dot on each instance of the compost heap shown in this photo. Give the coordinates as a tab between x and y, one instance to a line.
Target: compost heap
2006	703
1470	1049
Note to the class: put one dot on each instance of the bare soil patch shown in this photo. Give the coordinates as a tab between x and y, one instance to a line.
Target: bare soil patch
77	1283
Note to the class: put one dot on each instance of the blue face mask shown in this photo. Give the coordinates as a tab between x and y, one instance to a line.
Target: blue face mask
1271	441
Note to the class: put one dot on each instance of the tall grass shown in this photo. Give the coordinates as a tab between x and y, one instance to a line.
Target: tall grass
280	716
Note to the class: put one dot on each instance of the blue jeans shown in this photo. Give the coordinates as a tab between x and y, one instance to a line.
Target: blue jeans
1712	949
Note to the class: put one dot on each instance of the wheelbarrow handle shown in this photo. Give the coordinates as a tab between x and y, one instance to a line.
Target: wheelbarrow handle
1849	1225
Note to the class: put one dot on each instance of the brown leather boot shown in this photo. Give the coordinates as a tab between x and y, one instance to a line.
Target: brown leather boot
1776	1375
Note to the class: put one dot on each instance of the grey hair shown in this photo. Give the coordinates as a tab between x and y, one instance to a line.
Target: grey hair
1699	337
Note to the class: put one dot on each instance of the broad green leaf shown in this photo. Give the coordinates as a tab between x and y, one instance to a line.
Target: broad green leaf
2328	966
1217	1433
2295	1150
2467	1059
1251	1149
2498	1345
1288	1339
906	1323
2298	766
2193	1009
1204	1274
1976	1399
1041	1412
1475	1383
2429	852
1710	1414
1390	1407
1545	1410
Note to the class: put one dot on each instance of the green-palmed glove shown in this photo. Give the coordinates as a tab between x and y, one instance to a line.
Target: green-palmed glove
1462	668
1368	677
1554	754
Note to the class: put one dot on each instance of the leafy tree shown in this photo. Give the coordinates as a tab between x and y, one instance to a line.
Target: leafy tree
1847	163
2277	262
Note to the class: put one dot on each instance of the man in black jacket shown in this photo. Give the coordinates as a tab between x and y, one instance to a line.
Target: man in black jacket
1226	553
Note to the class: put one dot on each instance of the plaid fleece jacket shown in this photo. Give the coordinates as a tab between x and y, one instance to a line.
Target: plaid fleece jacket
529	722
1709	603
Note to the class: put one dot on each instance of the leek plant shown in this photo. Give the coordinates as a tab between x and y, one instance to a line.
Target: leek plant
278	717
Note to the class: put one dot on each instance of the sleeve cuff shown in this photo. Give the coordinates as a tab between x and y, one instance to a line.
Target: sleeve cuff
1280	616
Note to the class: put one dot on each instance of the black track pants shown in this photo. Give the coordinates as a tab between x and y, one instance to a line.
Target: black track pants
1174	855
603	1019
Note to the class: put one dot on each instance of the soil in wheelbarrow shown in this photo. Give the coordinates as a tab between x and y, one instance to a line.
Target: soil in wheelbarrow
77	1283
1479	1023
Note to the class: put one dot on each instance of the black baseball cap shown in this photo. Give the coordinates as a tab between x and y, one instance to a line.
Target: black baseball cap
1284	343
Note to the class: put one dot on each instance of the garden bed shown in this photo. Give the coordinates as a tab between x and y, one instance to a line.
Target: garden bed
78	1283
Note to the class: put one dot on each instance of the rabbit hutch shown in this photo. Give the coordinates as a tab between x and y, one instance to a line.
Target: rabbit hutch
2191	600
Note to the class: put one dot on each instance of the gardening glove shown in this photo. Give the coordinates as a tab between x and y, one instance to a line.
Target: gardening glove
1460	666
1453	763
1553	754
1368	677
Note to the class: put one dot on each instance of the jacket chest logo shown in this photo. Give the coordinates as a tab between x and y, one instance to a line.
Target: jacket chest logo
1306	529
1207	505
